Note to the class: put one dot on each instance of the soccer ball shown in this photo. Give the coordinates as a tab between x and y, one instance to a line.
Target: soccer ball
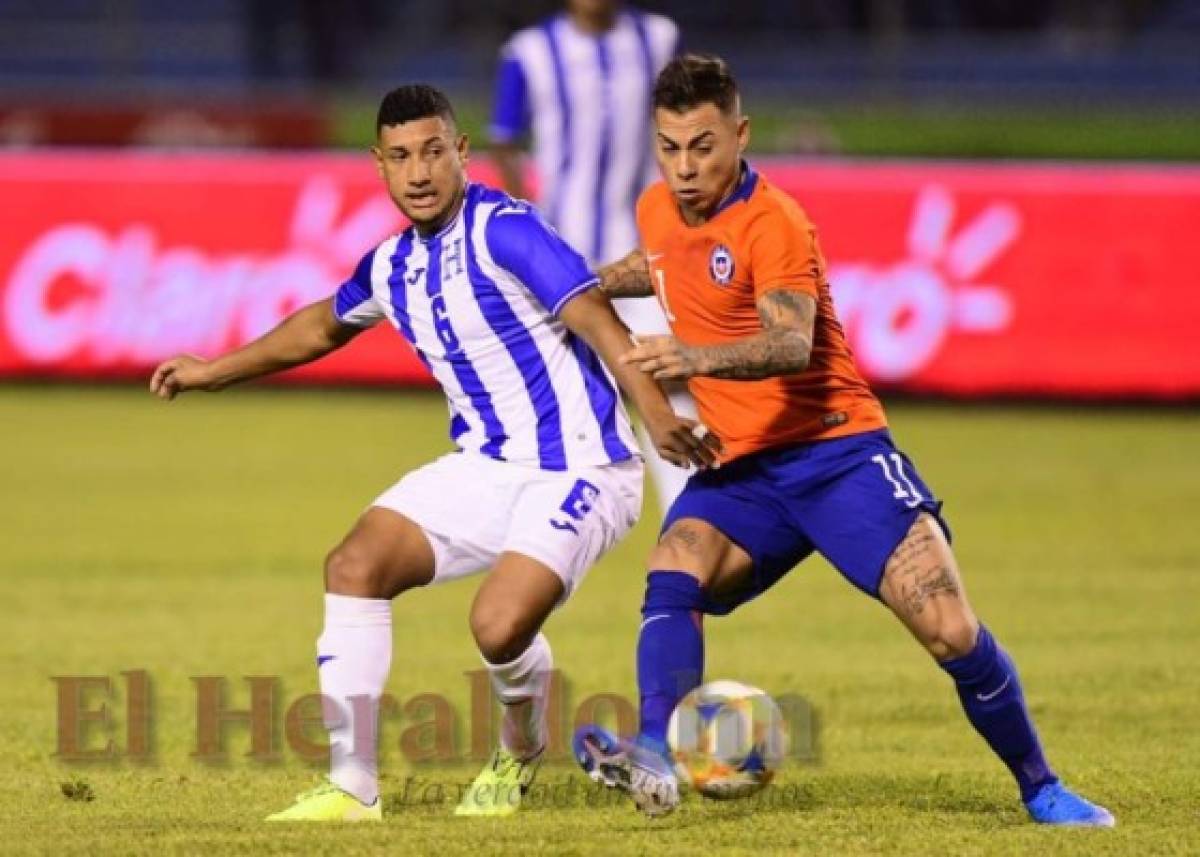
727	739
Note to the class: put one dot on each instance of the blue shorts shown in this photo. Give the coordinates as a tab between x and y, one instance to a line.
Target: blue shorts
852	499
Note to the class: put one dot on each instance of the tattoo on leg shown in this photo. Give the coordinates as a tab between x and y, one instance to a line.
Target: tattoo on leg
911	556
931	584
686	538
918	574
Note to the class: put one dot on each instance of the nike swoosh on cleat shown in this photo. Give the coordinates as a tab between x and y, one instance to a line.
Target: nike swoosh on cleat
987	697
321	660
652	618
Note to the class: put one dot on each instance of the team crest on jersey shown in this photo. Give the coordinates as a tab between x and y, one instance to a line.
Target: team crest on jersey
720	265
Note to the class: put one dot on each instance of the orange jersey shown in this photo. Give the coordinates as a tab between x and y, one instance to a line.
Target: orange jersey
708	278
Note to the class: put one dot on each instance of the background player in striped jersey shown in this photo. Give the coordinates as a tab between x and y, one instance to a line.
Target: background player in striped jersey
808	463
546	477
581	82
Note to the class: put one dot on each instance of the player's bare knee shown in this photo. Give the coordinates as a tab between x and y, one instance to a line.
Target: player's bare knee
665	557
953	637
351	571
501	634
959	636
688	547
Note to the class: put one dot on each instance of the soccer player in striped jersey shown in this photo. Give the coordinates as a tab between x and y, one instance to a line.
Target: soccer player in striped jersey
808	463
580	81
546	476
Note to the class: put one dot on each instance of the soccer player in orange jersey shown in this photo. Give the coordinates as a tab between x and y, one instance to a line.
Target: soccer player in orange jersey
807	465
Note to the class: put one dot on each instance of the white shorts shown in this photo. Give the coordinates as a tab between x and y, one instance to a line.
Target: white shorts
474	508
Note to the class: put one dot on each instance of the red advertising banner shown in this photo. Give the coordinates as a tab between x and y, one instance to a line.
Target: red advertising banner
188	122
949	278
1013	279
112	262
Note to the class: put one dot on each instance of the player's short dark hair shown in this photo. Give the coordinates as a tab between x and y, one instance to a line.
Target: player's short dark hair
414	101
691	80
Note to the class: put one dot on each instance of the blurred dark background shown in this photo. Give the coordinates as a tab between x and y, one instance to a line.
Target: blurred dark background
1060	78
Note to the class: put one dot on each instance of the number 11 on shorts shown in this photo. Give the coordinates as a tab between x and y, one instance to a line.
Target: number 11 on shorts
902	486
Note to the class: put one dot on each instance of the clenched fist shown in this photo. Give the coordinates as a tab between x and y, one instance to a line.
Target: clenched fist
180	374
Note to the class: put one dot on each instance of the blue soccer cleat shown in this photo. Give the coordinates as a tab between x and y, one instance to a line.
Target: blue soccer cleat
1054	803
641	773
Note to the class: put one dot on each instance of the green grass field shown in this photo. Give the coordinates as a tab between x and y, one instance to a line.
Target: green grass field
885	128
186	540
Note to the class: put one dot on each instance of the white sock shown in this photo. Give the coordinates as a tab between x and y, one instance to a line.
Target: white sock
522	686
354	654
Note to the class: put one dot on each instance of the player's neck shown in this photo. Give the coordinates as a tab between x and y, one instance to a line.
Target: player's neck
698	218
433	227
595	24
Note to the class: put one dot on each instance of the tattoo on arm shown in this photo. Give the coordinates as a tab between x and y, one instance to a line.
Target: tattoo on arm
627	278
783	348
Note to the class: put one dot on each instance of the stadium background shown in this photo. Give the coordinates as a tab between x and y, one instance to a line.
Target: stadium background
1008	194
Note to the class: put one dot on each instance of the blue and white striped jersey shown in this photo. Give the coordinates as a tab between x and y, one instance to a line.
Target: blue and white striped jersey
479	302
587	99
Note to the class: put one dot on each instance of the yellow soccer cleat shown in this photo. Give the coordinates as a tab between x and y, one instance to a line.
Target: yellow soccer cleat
326	802
498	789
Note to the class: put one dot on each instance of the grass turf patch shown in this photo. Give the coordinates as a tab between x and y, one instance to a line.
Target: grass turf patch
186	540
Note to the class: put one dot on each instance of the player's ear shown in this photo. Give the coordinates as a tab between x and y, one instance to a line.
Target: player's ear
378	155
464	148
743	133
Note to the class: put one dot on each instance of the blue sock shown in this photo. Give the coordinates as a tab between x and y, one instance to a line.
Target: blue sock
991	695
670	653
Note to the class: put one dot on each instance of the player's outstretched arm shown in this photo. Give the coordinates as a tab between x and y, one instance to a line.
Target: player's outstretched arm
782	348
627	278
590	316
302	337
